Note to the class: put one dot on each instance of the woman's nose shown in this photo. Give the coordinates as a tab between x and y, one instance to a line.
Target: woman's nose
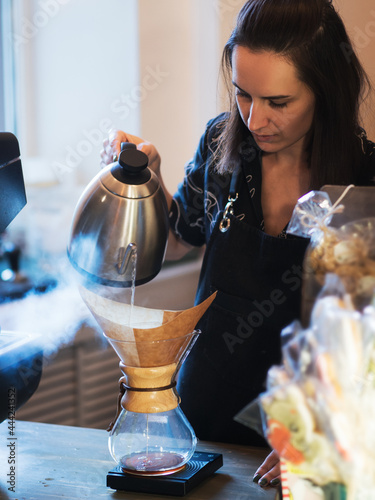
257	117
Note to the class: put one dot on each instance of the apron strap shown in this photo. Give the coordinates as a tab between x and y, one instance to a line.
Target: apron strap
234	182
233	195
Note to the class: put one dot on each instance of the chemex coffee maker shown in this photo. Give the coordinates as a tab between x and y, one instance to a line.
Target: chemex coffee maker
118	240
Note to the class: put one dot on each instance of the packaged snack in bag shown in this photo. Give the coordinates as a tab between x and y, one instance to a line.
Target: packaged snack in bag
319	408
347	251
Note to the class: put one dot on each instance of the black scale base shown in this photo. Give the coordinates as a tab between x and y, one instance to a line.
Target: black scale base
200	466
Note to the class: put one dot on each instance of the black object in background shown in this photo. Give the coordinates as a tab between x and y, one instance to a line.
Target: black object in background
12	187
20	362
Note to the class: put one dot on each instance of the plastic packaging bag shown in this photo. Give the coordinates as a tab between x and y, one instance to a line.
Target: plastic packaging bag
347	251
319	409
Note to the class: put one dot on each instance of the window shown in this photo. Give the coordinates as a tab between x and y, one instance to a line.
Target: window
7	102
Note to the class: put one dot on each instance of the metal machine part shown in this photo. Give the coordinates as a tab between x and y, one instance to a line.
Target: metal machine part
12	188
20	361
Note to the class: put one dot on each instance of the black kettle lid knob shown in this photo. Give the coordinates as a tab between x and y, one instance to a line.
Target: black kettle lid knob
131	159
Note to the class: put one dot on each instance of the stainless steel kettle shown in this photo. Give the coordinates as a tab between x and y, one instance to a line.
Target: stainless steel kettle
122	211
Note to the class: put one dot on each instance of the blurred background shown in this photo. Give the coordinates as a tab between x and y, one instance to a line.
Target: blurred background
70	71
73	69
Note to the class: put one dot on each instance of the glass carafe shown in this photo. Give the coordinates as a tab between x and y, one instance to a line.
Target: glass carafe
151	435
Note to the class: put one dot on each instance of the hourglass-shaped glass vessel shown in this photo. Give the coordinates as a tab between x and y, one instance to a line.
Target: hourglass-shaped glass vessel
151	435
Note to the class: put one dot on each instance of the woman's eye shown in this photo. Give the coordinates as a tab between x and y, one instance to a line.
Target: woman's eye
274	104
239	93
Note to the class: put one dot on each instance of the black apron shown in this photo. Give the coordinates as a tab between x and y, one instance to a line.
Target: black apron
258	279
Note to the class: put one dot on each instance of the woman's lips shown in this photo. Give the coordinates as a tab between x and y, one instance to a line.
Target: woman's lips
263	138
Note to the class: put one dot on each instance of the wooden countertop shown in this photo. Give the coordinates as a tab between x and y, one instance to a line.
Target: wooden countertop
54	461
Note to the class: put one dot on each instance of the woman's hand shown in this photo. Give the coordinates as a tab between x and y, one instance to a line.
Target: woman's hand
268	474
112	147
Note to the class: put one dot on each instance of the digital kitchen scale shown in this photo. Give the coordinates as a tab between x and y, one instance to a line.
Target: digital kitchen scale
200	466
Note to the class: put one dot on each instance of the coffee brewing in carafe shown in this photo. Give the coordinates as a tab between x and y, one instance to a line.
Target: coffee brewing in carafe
118	239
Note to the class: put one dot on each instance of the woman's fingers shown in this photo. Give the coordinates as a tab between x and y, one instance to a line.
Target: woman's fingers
112	145
108	151
112	148
268	474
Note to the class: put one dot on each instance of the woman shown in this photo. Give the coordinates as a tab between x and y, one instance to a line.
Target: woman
293	126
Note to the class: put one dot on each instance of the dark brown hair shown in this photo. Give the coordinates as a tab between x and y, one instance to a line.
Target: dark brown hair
313	37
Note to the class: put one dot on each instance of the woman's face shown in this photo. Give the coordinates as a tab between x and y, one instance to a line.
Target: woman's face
275	105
